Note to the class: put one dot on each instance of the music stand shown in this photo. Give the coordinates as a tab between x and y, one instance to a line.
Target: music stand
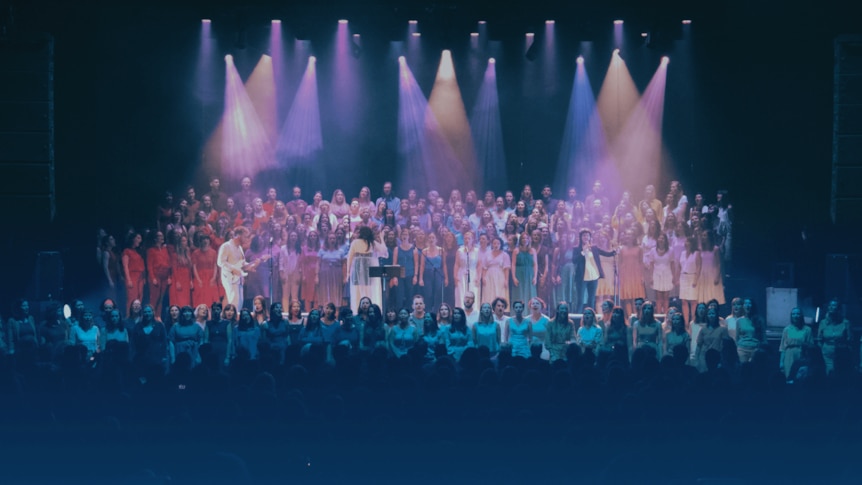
386	272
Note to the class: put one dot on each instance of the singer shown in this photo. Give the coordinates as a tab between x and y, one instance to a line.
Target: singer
234	267
587	271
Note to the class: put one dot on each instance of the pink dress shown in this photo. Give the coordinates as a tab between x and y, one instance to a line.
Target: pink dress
308	261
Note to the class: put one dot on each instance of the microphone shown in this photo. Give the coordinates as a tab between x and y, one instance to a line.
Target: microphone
271	239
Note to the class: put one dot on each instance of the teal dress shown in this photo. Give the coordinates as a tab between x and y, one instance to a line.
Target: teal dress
524	272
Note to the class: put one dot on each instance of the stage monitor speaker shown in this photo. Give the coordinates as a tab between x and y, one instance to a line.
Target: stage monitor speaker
779	303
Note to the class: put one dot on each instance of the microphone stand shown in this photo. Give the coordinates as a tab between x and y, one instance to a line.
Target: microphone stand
271	274
616	280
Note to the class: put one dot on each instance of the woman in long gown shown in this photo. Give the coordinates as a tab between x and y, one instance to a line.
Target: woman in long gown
604	239
661	269
330	288
362	255
466	278
406	257
180	282
564	271
526	270
309	263
433	274
631	272
259	281
205	271
710	285
688	272
450	254
541	239
158	272
288	267
795	336
495	273
134	268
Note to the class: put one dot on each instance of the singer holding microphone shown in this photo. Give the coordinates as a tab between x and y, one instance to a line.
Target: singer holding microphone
588	270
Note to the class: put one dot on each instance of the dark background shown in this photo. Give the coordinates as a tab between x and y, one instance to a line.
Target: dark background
748	108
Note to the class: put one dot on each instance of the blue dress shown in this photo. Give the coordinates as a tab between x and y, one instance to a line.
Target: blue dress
433	277
486	334
524	272
518	337
404	292
247	340
457	342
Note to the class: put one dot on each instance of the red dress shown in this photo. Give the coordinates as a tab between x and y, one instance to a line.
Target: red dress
136	275
159	269
181	282
206	292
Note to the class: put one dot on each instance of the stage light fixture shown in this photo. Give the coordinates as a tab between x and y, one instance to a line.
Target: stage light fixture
549	22
580	60
416	34
492	61
228	58
482	22
618	22
412	22
532	47
474	34
342	21
206	21
402	59
276	21
644	35
312	59
686	22
665	60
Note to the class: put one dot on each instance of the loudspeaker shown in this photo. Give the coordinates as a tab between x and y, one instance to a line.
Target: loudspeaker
779	303
48	277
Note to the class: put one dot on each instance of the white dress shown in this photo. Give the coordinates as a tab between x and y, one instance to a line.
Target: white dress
662	276
687	276
706	287
467	264
362	285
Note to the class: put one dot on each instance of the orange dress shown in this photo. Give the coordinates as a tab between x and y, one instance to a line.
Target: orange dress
137	276
159	269
206	291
